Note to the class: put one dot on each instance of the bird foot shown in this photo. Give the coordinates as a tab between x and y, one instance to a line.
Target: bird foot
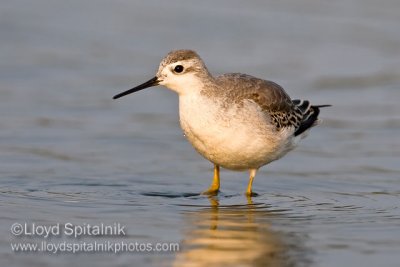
211	192
251	194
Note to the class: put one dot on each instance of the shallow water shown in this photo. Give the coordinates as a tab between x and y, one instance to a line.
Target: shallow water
69	153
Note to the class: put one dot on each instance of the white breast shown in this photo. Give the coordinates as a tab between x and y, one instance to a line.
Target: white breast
234	137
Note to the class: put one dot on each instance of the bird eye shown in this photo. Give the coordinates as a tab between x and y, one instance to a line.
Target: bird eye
178	68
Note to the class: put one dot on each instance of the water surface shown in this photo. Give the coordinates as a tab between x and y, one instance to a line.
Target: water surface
69	153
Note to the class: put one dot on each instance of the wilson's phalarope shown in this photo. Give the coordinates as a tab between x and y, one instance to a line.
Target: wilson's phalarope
235	120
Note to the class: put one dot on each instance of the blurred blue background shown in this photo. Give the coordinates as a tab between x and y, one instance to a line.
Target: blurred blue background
70	152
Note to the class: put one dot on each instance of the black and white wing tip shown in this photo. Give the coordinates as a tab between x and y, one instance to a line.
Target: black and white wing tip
310	115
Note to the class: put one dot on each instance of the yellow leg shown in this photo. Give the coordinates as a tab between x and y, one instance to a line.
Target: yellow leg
253	173
214	187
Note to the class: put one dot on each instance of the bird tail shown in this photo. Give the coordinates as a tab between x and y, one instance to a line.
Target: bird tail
310	115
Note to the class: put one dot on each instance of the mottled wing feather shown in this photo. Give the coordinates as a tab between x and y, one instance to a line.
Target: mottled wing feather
271	98
309	115
303	105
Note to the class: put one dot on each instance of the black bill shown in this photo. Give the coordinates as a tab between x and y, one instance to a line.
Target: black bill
149	83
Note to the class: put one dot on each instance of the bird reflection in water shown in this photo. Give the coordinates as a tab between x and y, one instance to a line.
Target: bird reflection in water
232	236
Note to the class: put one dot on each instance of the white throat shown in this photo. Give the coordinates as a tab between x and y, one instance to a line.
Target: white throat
183	84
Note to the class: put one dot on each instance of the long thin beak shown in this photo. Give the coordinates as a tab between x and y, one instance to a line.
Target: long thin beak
152	82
